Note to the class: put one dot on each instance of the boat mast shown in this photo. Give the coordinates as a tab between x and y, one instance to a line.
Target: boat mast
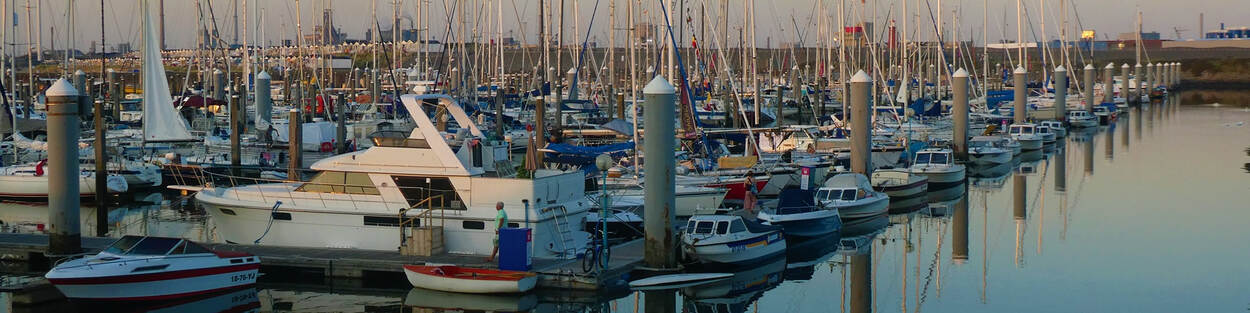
1020	35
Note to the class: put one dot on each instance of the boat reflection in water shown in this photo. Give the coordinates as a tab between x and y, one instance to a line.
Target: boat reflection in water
990	177
942	202
420	298
737	293
803	256
234	300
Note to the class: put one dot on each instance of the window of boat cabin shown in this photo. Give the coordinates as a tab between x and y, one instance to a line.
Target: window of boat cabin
340	182
690	226
822	194
121	245
848	194
417	188
704	227
938	158
722	227
154	246
737	226
1015	130
923	158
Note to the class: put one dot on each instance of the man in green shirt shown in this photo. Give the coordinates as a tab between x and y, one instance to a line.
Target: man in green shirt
501	220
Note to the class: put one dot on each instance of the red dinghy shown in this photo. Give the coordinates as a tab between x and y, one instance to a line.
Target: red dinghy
469	280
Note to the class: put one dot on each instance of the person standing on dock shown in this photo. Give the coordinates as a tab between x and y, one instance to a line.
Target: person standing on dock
501	219
749	197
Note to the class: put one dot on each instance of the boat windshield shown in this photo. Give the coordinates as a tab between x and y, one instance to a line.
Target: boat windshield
1015	130
153	246
122	245
722	227
822	194
923	158
939	158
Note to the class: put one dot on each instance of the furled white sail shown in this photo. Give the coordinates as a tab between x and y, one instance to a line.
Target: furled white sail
161	121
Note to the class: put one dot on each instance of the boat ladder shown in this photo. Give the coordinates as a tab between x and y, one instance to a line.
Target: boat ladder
564	245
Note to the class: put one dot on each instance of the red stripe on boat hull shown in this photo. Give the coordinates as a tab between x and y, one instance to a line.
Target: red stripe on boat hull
155	276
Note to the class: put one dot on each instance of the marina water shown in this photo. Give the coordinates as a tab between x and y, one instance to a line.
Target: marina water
1144	215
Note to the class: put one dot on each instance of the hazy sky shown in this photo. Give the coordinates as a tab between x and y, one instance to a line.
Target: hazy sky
774	17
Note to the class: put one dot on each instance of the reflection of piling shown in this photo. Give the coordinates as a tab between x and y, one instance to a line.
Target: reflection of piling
861	135
960	113
1110	153
861	282
1088	149
294	137
1061	167
1089	86
1061	93
659	143
63	173
662	301
1021	95
1108	90
959	251
1018	196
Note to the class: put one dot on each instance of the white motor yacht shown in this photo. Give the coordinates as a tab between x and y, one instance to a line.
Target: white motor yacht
939	165
988	151
30	182
1056	127
1026	134
1048	135
728	239
137	268
1082	118
800	214
440	182
853	196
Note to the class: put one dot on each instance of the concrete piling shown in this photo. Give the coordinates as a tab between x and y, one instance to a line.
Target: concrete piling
1108	90
1136	86
1061	94
264	101
659	204
294	140
1149	79
1124	87
960	114
571	78
1089	86
340	129
236	119
540	130
219	85
1021	95
80	81
861	131
63	173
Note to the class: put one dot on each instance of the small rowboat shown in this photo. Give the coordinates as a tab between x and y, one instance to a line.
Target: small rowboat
469	280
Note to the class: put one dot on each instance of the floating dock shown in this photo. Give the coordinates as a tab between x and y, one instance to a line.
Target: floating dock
336	263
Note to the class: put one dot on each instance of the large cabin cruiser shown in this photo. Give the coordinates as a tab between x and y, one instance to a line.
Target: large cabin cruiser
359	199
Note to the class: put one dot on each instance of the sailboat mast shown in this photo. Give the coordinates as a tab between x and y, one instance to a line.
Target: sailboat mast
1020	34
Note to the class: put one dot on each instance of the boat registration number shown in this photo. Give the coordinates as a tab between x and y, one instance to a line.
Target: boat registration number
243	277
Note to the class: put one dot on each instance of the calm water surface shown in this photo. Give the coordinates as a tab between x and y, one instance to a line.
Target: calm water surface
1146	215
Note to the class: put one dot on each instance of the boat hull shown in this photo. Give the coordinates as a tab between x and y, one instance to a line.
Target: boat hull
808	224
739	252
452	284
989	159
870	208
34	187
158	286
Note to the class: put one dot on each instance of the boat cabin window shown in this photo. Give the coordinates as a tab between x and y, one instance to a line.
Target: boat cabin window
439	190
822	194
737	226
340	182
722	227
939	158
154	246
122	245
704	227
395	138
690	226
924	158
849	195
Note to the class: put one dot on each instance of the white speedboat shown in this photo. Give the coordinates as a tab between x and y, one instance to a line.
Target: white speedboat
359	200
1104	114
1082	119
853	196
1026	134
153	268
30	181
1056	127
939	165
800	215
899	184
988	151
1048	135
728	239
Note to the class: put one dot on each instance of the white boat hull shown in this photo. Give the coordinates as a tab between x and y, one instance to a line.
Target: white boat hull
472	285
22	186
866	209
739	252
989	159
121	288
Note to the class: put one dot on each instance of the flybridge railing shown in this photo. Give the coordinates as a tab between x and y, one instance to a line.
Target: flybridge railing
267	190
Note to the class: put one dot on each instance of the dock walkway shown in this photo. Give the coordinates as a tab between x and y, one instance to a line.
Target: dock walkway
354	263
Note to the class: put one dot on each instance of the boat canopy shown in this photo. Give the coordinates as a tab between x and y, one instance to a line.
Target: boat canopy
138	245
849	180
